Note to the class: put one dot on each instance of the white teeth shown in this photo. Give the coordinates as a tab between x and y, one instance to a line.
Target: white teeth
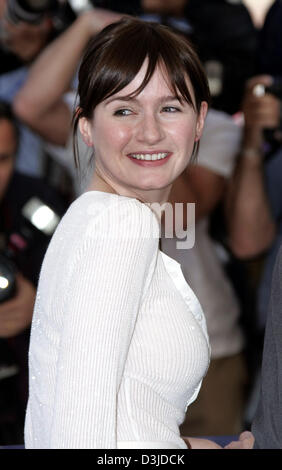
149	157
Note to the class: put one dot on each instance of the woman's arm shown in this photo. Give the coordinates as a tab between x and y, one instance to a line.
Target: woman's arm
102	304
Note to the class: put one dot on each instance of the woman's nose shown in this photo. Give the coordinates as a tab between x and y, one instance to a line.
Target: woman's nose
150	130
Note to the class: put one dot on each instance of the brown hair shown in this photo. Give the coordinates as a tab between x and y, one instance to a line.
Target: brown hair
115	55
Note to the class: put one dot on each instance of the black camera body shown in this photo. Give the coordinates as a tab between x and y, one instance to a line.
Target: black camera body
37	220
273	137
275	88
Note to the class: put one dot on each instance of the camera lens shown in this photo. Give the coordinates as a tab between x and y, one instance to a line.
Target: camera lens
7	278
29	11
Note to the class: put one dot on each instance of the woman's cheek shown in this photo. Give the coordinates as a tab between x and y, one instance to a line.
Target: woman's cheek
121	135
183	134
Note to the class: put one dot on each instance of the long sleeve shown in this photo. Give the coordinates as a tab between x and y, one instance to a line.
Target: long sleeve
267	425
112	271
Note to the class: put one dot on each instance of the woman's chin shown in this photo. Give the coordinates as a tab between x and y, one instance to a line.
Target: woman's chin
154	185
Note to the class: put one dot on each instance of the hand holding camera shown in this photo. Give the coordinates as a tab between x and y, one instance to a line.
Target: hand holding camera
17	294
262	112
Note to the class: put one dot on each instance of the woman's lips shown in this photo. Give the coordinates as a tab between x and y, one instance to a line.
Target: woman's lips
150	163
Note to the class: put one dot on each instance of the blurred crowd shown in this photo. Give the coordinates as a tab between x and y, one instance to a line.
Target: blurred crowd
236	183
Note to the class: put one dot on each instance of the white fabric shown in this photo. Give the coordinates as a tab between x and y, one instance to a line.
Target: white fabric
146	445
118	343
201	265
204	271
220	143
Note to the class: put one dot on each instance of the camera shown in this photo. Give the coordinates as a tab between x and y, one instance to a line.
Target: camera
273	137
275	88
29	11
37	218
33	12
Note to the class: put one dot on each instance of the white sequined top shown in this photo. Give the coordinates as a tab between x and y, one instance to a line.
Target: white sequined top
118	343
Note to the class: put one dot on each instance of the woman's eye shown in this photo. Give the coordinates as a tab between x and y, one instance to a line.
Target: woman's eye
122	112
170	109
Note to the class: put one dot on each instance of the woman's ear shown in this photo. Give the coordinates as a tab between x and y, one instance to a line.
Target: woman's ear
201	120
85	130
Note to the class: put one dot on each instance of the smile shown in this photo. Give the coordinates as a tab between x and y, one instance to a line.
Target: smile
149	157
149	160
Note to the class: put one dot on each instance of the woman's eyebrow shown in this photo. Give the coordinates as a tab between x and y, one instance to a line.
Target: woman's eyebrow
162	99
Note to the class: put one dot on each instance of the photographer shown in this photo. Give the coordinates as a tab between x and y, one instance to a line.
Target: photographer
46	101
26	247
251	224
255	202
254	213
27	26
255	192
25	30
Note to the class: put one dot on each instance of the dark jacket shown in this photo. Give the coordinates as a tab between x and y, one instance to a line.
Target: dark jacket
267	424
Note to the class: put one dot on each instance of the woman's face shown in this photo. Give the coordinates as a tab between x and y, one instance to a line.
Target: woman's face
143	144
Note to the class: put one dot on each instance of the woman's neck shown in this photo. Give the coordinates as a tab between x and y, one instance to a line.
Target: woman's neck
98	183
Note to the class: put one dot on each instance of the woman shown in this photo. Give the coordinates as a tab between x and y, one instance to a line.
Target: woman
119	345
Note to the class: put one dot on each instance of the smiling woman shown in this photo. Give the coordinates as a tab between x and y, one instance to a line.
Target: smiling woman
119	344
143	142
159	88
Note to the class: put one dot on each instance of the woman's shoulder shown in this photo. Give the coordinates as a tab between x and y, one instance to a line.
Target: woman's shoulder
113	215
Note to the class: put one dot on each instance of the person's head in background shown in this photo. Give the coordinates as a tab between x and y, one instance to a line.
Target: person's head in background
9	139
164	7
143	91
26	27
